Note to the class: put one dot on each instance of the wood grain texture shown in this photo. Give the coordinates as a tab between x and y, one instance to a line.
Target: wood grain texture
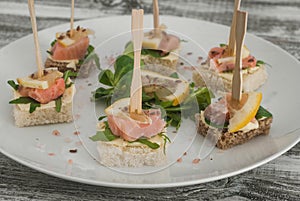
277	21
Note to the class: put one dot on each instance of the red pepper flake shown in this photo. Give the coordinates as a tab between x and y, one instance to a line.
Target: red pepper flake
179	160
73	150
181	63
76	133
184	153
51	154
189	53
196	160
79	143
56	133
70	161
67	140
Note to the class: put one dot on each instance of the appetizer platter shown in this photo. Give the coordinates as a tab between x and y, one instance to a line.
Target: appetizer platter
76	151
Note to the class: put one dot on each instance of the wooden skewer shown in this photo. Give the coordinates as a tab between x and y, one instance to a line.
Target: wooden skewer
156	17
241	27
231	44
39	63
137	38
72	19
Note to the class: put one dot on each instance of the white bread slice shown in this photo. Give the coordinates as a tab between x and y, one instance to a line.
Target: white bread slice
253	78
46	114
120	153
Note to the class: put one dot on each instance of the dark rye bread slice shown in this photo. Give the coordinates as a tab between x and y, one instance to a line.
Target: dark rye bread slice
227	140
84	69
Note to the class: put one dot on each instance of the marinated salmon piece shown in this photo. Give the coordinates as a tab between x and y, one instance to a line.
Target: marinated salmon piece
74	51
44	95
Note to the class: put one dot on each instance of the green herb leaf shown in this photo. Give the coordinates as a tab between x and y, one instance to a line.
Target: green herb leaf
154	53
223	45
166	139
123	65
150	144
33	107
58	103
102	93
22	100
216	125
49	52
174	75
106	77
101	118
262	112
105	135
69	74
13	84
53	42
183	41
129	50
26	100
259	62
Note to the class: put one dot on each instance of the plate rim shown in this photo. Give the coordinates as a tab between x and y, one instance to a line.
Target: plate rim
153	185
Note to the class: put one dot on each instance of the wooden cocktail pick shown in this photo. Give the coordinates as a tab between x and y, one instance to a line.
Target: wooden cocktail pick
39	63
241	27
156	18
72	19
136	85
231	43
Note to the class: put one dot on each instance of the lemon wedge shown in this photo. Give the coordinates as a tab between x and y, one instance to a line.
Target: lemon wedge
242	113
166	88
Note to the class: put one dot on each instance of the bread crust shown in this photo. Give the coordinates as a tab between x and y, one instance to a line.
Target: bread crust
227	140
43	116
126	154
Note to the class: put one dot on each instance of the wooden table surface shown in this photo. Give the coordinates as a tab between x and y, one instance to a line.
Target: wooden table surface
277	21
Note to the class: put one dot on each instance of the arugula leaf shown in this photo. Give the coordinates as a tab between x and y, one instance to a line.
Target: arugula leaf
101	118
69	74
49	52
223	45
53	42
13	84
150	144
22	100
166	139
26	100
105	135
58	103
33	107
154	53
262	112
260	62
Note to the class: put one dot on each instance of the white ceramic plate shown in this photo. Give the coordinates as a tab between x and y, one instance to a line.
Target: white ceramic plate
38	148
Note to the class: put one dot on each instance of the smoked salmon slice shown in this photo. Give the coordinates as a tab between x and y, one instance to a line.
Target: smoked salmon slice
74	51
45	95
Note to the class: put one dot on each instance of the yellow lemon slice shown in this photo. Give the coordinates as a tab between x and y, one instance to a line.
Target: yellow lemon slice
242	113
